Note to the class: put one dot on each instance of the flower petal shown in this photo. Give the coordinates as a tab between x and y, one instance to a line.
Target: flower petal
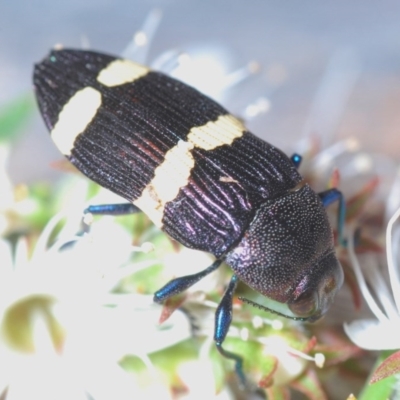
370	334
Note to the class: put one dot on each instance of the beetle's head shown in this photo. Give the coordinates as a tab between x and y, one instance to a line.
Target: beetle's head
315	292
287	255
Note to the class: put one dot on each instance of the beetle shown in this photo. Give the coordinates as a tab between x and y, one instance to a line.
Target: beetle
199	175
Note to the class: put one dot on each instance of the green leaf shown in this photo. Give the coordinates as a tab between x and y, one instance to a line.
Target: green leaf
166	361
13	117
381	389
389	367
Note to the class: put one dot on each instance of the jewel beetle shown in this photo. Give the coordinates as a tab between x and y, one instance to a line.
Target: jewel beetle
199	175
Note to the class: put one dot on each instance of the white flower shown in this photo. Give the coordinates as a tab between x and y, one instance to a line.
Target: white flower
381	332
62	329
203	66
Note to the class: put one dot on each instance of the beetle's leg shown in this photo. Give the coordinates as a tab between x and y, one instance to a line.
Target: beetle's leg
107	209
296	160
328	197
179	285
113	209
223	319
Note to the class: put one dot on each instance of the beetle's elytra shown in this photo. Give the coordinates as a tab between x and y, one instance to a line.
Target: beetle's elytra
198	174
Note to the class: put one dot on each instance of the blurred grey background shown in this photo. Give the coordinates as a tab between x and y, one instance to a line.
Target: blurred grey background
328	68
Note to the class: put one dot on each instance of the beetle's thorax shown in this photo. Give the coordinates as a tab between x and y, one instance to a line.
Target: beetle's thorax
282	250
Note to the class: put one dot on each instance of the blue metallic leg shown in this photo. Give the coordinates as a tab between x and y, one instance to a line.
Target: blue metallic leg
330	196
223	315
296	160
223	319
106	209
179	285
113	209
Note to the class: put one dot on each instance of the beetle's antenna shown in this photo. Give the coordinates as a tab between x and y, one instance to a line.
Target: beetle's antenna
254	304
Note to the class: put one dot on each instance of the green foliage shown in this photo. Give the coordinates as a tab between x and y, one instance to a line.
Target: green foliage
381	389
14	116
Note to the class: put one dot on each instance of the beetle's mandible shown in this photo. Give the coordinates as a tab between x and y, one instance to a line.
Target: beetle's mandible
198	174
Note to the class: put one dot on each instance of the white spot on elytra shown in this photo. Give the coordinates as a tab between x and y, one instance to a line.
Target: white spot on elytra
169	177
174	172
119	72
74	118
216	133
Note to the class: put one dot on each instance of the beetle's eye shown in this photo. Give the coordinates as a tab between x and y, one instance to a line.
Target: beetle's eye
305	305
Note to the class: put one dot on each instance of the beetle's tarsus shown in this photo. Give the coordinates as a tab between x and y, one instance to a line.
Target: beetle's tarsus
238	364
106	209
113	209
